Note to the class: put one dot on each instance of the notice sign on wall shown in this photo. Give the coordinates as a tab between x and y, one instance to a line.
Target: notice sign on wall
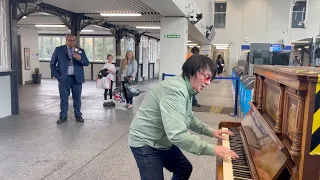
172	36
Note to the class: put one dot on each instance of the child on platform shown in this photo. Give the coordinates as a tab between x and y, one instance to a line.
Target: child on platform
112	71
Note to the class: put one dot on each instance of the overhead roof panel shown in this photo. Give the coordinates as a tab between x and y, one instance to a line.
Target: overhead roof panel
98	6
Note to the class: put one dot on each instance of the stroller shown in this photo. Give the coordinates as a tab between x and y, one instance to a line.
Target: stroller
119	95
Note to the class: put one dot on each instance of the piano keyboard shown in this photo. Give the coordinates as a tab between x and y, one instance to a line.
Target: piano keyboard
235	169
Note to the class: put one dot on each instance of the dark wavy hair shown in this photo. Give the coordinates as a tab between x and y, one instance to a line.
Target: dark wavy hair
195	50
196	63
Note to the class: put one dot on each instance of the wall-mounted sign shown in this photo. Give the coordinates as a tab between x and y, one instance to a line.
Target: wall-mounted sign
172	36
287	48
245	47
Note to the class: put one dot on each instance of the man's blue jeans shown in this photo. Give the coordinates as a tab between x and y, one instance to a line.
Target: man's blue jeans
151	162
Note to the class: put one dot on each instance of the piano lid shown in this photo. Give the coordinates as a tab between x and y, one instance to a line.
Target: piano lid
266	149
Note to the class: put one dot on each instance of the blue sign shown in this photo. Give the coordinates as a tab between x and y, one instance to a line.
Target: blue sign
245	47
275	47
287	48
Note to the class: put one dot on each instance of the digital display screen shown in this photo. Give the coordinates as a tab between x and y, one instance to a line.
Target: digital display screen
275	47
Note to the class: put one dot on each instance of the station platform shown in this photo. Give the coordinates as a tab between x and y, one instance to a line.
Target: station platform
33	146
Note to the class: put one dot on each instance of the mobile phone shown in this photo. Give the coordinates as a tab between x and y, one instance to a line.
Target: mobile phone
76	50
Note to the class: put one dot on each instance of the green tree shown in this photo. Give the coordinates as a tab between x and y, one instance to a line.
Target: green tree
98	49
89	48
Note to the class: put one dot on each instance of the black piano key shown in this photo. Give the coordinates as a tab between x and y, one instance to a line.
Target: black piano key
241	171
241	174
241	168
239	162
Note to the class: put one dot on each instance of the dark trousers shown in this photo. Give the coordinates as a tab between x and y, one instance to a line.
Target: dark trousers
151	162
129	100
110	92
220	70
64	90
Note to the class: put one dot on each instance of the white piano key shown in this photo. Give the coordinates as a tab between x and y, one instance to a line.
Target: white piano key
227	165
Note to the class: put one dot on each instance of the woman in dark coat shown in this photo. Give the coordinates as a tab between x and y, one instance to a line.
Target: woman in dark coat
220	65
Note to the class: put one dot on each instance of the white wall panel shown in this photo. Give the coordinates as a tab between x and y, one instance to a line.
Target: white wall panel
29	39
5	96
45	69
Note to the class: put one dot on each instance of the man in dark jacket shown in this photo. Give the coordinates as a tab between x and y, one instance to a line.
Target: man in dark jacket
67	67
195	50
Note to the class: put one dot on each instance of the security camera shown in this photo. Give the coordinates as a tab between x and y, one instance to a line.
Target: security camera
195	17
194	14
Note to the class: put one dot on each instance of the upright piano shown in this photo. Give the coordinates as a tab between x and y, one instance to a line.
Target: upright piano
279	138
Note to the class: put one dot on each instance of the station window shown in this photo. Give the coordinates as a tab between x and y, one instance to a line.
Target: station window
3	37
127	44
144	46
153	47
220	11
299	14
96	48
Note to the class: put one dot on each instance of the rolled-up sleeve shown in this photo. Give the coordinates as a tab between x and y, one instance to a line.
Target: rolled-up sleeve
173	112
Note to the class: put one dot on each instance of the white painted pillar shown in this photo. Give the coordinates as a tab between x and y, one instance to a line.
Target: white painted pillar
173	45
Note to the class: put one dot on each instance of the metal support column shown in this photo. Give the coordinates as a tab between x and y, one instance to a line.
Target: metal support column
118	37
76	26
13	7
137	38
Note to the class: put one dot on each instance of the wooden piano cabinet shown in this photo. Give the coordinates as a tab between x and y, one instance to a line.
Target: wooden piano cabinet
260	93
309	166
255	90
293	121
298	89
272	104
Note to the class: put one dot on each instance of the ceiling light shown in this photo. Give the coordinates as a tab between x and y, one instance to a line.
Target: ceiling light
87	30
192	44
221	48
50	25
24	17
120	14
148	27
220	44
189	41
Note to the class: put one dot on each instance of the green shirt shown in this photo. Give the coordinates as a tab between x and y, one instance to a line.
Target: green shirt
165	116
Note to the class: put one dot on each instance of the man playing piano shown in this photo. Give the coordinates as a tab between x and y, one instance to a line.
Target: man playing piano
160	127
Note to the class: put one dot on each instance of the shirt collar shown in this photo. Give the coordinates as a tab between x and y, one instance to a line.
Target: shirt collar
191	91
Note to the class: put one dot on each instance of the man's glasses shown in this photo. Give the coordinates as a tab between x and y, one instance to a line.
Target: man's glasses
207	78
70	40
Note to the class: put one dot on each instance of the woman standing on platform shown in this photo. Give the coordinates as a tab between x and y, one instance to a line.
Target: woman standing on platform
128	71
220	64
